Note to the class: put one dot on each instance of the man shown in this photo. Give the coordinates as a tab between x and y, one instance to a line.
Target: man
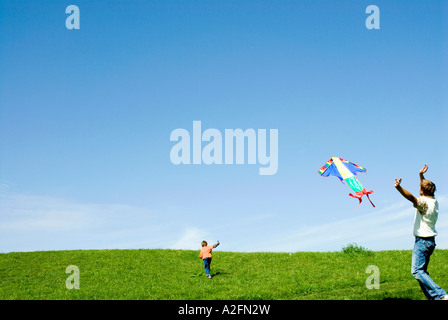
424	232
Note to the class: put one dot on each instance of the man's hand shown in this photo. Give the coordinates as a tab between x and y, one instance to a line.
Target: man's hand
424	169
397	183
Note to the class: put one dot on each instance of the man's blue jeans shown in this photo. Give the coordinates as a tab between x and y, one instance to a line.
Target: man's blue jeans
207	262
423	248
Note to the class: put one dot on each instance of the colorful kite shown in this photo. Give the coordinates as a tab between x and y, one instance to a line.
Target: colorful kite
345	170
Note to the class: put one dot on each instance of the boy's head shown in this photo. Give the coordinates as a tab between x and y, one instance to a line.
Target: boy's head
427	188
204	243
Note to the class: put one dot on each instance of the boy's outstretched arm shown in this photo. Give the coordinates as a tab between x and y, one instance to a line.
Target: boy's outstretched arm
216	244
424	169
405	193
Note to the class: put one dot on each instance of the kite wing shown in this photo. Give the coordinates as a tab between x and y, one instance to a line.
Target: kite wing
346	171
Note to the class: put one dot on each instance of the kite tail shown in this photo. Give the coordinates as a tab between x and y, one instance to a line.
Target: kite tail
358	195
367	194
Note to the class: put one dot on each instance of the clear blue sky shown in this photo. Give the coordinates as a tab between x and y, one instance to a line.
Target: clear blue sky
86	117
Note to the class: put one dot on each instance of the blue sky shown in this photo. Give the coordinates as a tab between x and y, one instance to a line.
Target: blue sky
86	117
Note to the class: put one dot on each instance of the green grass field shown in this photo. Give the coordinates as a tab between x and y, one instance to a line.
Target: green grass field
179	274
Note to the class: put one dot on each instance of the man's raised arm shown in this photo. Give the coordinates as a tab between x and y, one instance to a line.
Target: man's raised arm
424	169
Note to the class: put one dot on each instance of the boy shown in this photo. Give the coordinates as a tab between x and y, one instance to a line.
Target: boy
424	232
206	256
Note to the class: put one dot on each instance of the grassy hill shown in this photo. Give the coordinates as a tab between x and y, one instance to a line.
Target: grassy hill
179	274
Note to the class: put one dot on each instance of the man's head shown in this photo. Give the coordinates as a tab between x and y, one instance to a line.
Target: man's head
427	188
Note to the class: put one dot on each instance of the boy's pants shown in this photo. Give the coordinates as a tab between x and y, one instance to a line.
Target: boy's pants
423	248
207	262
